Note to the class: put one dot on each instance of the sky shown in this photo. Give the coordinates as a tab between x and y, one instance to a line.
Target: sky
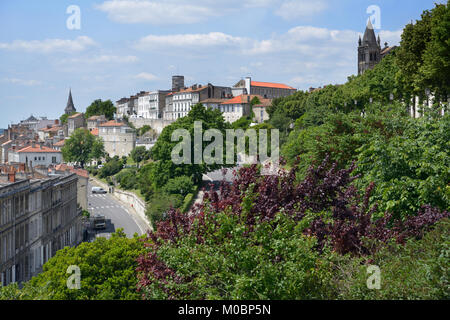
121	47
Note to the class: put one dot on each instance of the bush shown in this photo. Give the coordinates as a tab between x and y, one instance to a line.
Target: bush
160	204
111	168
127	179
417	270
179	185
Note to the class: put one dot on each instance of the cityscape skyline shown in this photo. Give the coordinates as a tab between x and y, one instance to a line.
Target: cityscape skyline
305	45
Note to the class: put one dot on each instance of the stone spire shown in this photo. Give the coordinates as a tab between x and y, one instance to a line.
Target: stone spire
70	108
369	34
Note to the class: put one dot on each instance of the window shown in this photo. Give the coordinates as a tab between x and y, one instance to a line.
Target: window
53	159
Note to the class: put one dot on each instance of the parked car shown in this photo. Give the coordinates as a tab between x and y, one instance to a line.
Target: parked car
100	166
98	190
99	222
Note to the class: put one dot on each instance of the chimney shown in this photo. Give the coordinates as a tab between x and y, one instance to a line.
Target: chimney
12	177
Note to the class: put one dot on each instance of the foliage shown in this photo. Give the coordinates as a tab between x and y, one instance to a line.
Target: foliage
127	178
179	185
107	272
409	169
160	204
265	237
99	107
416	270
111	167
82	147
162	151
139	154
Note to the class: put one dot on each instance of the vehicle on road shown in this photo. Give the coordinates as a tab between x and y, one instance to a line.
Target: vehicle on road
99	222
98	190
100	166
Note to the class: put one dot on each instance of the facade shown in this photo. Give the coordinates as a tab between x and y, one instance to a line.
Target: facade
82	183
180	103
38	216
74	122
235	108
151	104
240	106
123	108
36	155
267	90
70	108
260	110
118	138
50	132
95	121
35	124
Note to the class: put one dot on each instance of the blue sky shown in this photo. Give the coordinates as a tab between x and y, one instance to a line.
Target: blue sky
125	46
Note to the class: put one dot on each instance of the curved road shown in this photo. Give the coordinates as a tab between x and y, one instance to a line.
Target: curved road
117	214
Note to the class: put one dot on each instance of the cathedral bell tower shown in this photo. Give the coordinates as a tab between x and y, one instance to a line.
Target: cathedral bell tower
369	50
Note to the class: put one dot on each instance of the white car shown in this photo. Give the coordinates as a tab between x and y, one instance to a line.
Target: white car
98	190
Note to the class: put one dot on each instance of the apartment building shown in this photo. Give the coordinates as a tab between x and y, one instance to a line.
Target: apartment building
118	138
151	104
178	104
122	107
38	217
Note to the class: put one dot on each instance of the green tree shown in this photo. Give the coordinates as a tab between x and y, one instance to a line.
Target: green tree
139	154
99	107
82	147
107	272
162	151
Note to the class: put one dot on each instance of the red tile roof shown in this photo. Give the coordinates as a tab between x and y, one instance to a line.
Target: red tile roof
75	115
236	100
52	129
42	149
59	143
65	167
271	85
113	123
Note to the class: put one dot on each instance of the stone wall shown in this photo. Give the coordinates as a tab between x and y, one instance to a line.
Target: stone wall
130	199
156	124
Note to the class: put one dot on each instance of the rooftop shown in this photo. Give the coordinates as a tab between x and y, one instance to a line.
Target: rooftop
113	123
39	149
271	85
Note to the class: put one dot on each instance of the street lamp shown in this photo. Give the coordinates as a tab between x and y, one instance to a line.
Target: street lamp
371	100
391	97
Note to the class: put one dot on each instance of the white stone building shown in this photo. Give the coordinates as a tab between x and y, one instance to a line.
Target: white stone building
151	104
36	155
118	138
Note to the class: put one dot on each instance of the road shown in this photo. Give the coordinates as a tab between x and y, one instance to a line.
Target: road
116	213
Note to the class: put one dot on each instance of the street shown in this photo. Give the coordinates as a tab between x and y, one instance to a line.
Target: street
116	213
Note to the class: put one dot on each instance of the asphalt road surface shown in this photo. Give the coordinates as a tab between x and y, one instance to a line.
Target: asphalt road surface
116	213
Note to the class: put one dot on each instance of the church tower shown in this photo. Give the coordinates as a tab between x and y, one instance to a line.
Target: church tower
369	50
70	108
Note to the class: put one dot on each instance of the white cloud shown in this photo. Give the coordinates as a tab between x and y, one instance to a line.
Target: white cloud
22	82
391	37
296	9
212	39
81	43
146	76
156	13
103	59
